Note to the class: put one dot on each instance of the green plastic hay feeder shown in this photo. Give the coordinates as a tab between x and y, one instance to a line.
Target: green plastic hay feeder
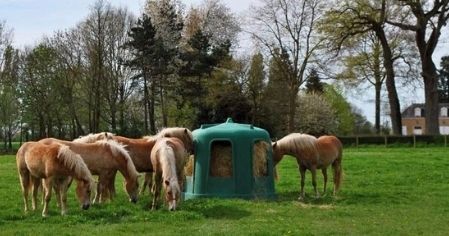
234	143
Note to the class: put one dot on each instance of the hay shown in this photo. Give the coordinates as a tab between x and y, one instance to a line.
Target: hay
221	159
188	167
260	158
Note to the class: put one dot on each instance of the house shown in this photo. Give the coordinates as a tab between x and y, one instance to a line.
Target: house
413	119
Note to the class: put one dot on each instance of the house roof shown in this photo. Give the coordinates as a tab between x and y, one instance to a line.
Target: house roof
410	110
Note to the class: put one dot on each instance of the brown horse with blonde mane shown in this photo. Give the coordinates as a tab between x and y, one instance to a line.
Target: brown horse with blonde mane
104	158
168	158
55	164
312	154
140	149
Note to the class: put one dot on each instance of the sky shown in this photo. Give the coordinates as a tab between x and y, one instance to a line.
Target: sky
31	20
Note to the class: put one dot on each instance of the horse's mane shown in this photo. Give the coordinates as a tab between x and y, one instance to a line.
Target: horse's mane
297	142
119	149
92	138
74	162
150	138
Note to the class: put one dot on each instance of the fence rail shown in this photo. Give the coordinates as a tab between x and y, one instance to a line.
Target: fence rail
390	140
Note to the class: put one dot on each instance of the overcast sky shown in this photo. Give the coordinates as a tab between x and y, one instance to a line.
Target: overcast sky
32	19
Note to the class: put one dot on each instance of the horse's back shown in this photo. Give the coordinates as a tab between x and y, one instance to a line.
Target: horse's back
330	148
41	158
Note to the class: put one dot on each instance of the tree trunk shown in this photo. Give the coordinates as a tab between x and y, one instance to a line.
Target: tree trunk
292	108
163	105
395	108
146	102
151	108
431	96
378	87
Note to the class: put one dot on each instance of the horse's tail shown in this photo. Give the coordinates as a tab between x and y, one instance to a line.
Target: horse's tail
338	171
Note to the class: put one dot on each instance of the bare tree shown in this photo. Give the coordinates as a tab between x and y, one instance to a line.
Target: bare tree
288	25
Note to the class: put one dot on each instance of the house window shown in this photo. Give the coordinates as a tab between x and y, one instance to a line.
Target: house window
444	130
417	130
418	112
404	130
443	111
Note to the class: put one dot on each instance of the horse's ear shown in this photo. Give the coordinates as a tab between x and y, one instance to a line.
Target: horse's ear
167	182
274	144
185	131
167	135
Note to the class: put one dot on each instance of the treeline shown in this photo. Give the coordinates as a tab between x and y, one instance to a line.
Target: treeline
132	75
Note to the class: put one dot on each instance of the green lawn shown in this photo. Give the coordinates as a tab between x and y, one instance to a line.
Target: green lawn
395	191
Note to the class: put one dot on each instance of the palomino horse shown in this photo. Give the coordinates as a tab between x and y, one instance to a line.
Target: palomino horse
56	164
140	149
168	158
312	154
105	158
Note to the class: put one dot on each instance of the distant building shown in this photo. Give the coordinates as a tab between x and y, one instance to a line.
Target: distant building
413	121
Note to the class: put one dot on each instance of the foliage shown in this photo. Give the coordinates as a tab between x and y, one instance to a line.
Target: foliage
380	196
343	115
313	84
315	115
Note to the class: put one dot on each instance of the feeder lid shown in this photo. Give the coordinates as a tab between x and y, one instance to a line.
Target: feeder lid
228	127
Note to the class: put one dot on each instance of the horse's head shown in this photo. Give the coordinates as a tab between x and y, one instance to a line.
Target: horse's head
277	153
172	193
132	188
184	134
83	192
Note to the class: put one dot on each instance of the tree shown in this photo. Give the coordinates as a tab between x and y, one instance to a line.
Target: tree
288	26
352	20
315	115
142	43
256	86
275	104
343	114
365	65
313	84
9	95
426	21
167	19
443	82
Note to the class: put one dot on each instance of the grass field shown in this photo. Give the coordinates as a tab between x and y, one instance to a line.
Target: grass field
396	191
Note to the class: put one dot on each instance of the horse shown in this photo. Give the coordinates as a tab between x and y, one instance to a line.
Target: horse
168	158
140	149
183	134
56	164
104	158
312	154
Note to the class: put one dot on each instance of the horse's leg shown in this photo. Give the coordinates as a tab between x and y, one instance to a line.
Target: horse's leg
112	191
144	185
47	193
62	195
157	184
25	184
324	170
302	171
99	189
313	170
36	183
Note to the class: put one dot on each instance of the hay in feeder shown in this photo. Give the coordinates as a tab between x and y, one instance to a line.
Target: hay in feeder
221	159
260	158
188	167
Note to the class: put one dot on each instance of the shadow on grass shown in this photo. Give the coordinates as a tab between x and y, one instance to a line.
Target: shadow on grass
216	210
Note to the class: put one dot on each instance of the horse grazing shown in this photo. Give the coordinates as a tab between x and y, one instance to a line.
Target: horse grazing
312	154
56	164
168	158
104	158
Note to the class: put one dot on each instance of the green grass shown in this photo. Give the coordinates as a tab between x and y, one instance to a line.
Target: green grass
398	191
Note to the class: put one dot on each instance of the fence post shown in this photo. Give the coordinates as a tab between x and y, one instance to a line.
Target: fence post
445	140
356	141
386	142
414	141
